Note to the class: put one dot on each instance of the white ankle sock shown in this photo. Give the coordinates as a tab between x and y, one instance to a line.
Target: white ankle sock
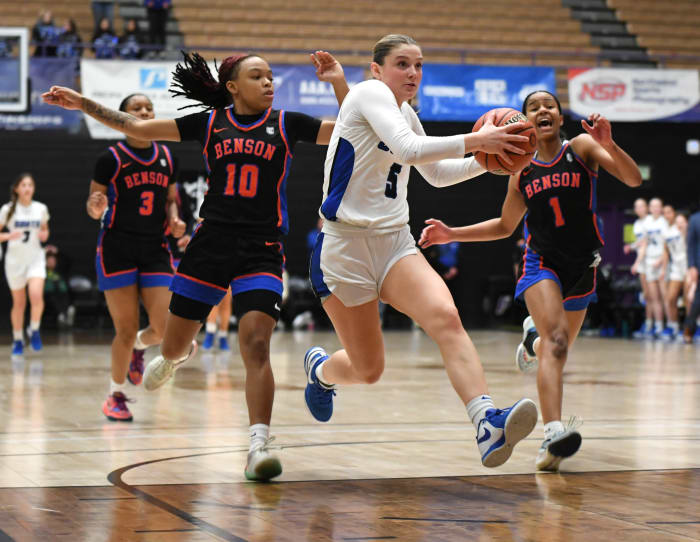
658	326
17	335
221	334
477	407
674	326
551	428
319	375
648	323
138	344
34	326
259	433
210	328
113	386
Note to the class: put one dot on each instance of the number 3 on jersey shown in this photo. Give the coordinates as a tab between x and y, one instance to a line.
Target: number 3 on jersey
392	180
247	180
146	203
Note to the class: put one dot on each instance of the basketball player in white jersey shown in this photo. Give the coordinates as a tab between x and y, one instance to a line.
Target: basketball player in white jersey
27	222
675	260
365	250
650	255
641	209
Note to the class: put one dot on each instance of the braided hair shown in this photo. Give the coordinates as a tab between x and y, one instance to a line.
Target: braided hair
13	195
192	79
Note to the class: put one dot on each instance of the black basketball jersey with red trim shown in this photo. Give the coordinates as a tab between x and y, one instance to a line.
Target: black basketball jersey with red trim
247	166
560	195
137	191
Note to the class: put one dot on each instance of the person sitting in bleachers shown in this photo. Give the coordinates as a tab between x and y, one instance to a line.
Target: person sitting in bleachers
46	34
130	44
104	41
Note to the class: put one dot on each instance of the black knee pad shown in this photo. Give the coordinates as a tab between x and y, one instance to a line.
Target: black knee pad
190	309
265	301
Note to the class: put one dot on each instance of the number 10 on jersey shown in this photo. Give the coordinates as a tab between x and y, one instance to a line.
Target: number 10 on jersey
247	180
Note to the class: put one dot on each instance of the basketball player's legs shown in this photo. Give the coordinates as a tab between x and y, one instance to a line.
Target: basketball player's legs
361	361
656	302
19	304
645	293
123	306
155	300
674	288
178	336
35	287
415	289
225	313
254	332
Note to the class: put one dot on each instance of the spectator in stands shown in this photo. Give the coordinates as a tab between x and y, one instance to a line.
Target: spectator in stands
102	10
46	34
130	44
157	19
104	41
70	42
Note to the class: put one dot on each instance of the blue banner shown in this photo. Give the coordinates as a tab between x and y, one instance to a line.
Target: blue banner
43	73
458	92
298	89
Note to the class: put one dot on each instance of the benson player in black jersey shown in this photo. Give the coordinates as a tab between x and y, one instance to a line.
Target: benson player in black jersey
133	194
557	195
247	147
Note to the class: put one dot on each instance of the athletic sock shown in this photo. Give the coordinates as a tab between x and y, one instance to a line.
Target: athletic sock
529	342
658	327
648	323
17	335
138	344
674	327
221	333
319	376
34	326
259	433
114	387
552	428
477	407
210	327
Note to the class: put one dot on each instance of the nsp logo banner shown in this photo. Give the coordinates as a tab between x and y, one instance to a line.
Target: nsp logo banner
153	78
635	94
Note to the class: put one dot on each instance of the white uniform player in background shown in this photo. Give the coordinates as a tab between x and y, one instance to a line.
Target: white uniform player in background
641	209
366	249
676	262
650	255
27	222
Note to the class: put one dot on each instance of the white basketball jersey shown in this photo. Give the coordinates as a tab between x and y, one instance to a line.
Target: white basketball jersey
639	230
675	243
27	220
655	229
373	145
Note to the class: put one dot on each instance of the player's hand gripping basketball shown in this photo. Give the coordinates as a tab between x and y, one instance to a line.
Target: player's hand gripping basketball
327	67
97	203
177	227
64	97
499	139
436	233
600	130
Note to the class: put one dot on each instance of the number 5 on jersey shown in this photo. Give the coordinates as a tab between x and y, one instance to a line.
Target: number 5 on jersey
392	180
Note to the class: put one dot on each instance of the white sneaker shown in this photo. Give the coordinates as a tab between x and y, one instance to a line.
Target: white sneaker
262	464
560	446
159	369
523	360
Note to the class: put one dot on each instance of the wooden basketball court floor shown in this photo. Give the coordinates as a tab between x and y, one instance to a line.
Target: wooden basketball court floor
398	461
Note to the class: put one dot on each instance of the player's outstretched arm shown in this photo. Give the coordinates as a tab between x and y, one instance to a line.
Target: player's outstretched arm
153	129
437	233
598	145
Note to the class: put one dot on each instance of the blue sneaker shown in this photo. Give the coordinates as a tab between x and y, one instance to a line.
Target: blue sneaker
696	336
667	335
500	430
641	332
17	349
208	341
35	341
223	344
319	398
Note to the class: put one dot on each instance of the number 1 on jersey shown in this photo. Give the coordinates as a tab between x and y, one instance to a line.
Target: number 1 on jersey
558	216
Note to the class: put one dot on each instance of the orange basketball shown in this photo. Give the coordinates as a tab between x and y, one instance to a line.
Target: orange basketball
494	163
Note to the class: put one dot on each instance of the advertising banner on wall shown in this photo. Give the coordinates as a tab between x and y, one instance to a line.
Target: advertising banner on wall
635	94
109	81
43	72
457	92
